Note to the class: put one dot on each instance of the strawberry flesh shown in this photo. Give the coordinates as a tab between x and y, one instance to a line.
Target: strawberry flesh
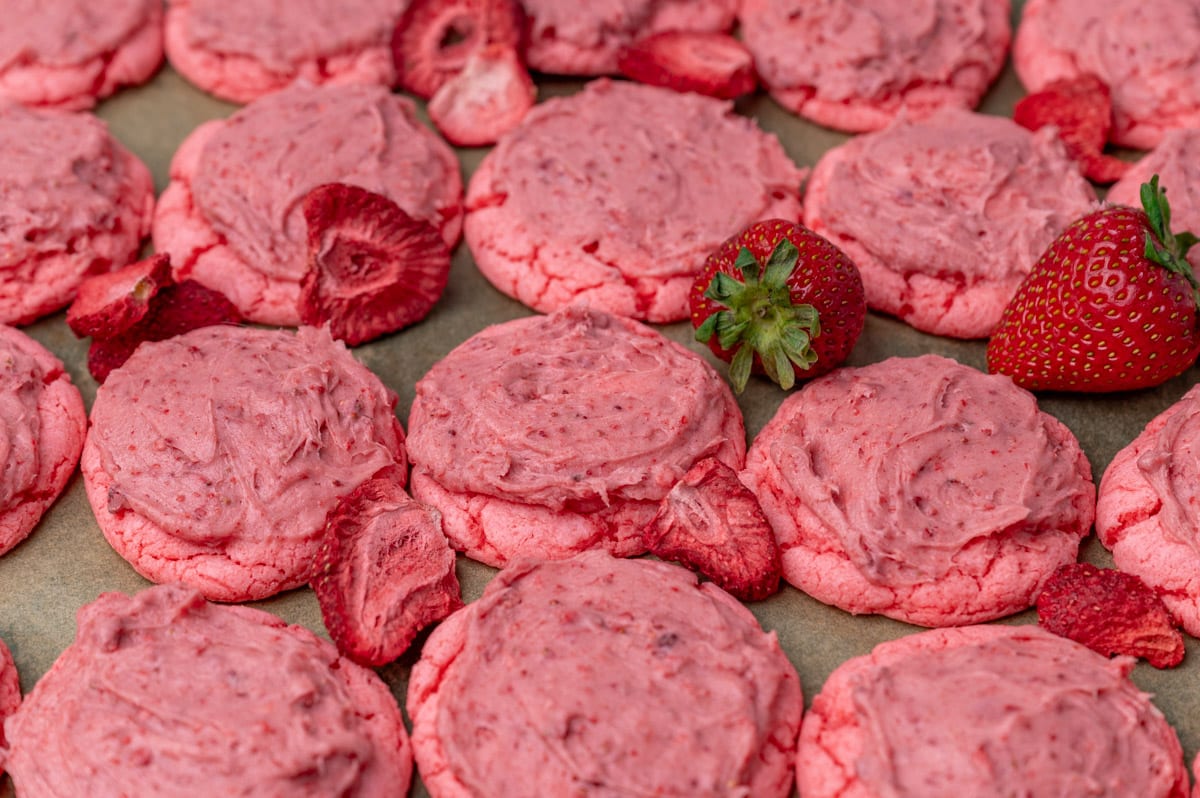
109	304
488	98
715	64
434	38
372	268
385	571
711	523
1110	612
1081	109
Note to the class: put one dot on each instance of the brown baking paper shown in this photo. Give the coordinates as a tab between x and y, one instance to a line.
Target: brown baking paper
66	562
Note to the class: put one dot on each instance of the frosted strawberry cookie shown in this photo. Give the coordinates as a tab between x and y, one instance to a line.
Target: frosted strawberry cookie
42	425
854	65
986	710
1176	161
213	457
240	50
572	38
601	676
617	194
1147	510
1149	61
921	489
72	53
945	216
232	216
10	695
165	694
548	435
73	201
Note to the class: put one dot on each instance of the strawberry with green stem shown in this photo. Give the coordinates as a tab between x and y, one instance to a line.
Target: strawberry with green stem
1110	306
780	299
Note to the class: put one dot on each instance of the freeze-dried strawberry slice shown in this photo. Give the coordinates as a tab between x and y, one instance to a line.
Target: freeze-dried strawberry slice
434	38
1081	109
1111	612
488	98
372	268
109	304
715	64
385	571
174	310
712	523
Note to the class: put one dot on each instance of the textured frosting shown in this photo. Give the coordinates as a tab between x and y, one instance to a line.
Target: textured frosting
606	677
987	711
1176	161
977	198
10	695
231	217
74	202
853	65
1149	61
914	472
618	194
164	694
234	443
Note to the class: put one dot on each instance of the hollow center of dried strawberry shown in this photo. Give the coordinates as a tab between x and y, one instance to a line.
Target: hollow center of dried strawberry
356	265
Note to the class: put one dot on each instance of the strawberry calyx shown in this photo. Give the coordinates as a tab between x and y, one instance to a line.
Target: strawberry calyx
760	318
1172	255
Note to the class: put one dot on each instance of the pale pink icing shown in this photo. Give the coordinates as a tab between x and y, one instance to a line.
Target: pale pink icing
164	694
1176	161
1148	58
1170	463
606	677
946	215
73	201
232	217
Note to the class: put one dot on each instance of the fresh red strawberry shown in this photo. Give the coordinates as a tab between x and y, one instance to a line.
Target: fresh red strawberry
797	316
434	38
385	571
109	304
1110	612
174	310
372	268
715	64
488	98
1081	109
711	523
1110	305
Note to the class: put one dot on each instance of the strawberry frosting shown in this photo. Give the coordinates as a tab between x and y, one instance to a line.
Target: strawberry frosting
165	694
10	695
987	711
1176	161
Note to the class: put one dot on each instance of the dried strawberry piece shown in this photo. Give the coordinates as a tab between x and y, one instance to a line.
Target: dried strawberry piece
1081	109
1110	612
108	304
488	98
711	523
385	571
372	268
715	64
434	38
174	310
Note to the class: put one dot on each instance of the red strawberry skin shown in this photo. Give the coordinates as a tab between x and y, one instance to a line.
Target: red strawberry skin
1081	109
715	64
1095	315
109	304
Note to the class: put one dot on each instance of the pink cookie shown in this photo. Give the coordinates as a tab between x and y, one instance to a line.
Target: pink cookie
599	676
73	201
1176	161
945	216
1149	507
10	696
71	53
1148	57
986	711
240	50
921	489
231	217
854	66
616	195
214	457
567	37
549	435
42	424
167	695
